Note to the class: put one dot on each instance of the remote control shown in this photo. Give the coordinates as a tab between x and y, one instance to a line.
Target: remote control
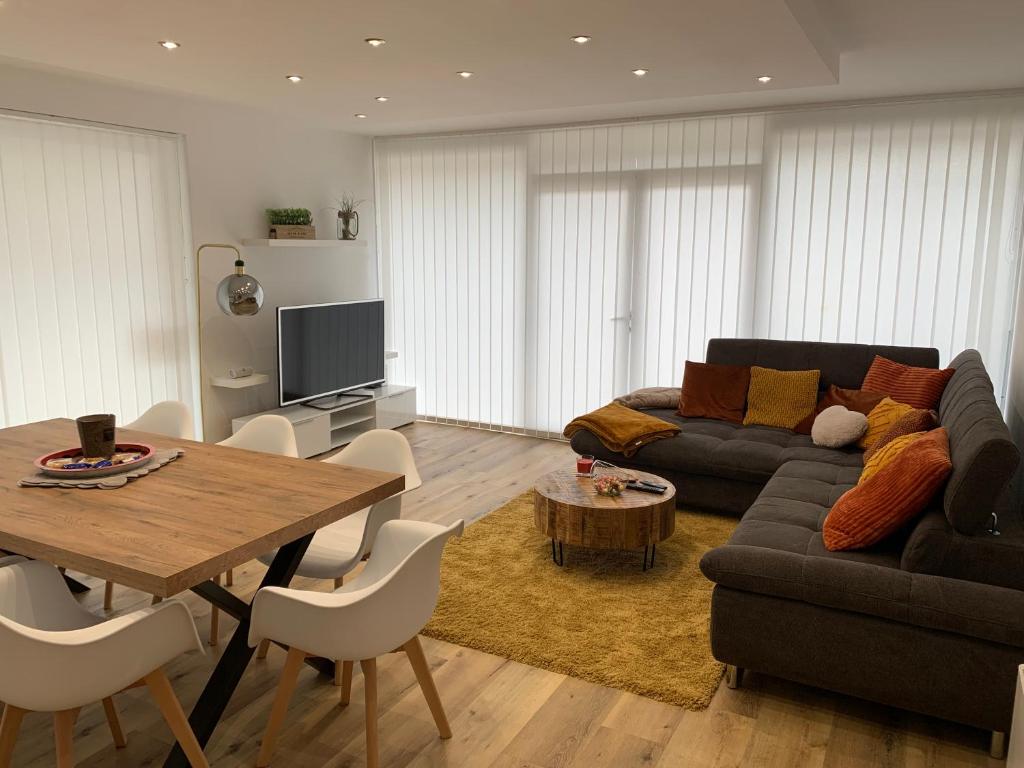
637	486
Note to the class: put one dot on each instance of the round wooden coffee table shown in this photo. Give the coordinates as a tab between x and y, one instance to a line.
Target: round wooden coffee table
568	510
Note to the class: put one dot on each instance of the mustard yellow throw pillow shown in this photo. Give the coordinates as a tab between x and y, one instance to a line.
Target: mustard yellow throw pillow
887	453
881	418
780	398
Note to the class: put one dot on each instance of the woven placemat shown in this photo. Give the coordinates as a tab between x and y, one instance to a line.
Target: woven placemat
160	458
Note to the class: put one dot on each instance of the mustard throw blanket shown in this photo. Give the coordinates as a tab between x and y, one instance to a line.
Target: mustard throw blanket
622	429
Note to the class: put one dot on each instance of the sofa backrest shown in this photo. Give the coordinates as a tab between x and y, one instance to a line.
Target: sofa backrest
844	365
984	457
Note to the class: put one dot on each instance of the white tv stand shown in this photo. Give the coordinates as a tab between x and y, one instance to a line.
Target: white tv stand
318	431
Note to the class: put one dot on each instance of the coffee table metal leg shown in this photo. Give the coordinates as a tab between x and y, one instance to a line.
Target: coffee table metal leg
652	548
558	559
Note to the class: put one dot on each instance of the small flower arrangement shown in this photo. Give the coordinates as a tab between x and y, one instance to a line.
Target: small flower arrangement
609	485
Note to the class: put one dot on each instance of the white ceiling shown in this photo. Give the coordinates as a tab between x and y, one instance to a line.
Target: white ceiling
702	54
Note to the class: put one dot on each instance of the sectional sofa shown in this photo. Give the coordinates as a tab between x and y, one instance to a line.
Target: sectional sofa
931	620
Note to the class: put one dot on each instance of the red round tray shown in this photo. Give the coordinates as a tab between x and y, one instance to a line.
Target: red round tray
145	450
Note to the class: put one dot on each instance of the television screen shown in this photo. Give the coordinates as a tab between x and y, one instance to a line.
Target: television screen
326	349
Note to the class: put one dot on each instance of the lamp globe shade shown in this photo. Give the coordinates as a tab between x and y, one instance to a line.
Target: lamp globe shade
239	293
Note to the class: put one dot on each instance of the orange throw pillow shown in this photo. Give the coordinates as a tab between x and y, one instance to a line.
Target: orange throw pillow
881	419
780	398
714	391
881	505
859	400
919	387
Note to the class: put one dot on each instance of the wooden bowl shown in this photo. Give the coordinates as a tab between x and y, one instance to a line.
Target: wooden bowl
146	451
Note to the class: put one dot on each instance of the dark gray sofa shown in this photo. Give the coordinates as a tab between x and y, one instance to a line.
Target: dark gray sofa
931	620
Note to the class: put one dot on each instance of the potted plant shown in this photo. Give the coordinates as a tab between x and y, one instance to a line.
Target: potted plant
291	223
348	217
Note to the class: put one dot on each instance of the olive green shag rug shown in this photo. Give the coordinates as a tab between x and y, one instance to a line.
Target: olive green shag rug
599	618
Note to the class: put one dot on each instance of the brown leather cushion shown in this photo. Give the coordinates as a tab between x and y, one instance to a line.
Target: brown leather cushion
859	400
900	491
918	420
714	391
919	387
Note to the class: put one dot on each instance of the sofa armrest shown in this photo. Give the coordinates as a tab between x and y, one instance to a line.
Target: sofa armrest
936	602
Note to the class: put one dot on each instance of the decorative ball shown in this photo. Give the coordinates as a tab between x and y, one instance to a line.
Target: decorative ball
240	295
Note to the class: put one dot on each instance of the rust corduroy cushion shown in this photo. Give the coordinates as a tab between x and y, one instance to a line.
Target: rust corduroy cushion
887	453
869	512
881	420
859	400
916	420
919	387
780	398
714	391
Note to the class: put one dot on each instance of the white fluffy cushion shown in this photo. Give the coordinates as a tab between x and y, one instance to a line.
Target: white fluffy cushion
837	426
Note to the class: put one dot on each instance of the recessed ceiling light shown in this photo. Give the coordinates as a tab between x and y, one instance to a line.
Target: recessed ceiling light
640	72
465	74
381	99
170	45
294	78
376	42
360	115
764	79
580	39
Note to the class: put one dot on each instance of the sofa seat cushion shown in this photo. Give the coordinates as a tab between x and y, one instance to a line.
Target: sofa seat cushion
723	449
789	513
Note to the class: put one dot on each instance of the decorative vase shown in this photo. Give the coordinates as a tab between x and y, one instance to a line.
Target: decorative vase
348	225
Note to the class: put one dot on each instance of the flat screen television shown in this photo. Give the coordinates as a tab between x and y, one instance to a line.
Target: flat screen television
329	349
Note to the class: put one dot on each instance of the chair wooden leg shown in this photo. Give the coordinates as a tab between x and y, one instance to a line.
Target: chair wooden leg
162	692
214	618
345	682
9	733
261	652
338	582
63	728
370	688
285	689
229	578
414	651
108	596
114	721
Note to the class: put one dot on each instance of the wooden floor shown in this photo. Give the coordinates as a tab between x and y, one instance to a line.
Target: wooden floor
503	714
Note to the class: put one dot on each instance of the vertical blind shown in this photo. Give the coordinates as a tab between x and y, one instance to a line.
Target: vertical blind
94	246
535	275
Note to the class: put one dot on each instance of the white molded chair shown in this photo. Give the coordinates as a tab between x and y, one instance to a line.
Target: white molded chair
339	547
382	609
59	657
268	433
170	418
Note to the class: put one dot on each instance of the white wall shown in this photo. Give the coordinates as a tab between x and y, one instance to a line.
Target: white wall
240	161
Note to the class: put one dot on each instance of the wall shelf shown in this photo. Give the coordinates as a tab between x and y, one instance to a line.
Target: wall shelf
254	242
227	382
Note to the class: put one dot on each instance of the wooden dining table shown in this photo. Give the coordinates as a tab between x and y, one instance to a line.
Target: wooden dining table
181	526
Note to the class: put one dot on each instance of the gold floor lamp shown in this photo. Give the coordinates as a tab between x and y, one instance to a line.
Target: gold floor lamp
241	295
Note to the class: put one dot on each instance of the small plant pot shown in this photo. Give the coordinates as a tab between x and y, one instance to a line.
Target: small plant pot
348	225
